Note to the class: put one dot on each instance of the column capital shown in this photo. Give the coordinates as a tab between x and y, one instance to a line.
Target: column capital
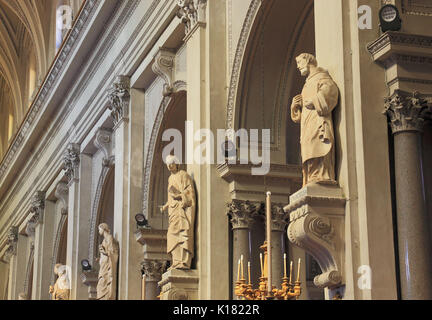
11	242
279	218
153	269
103	142
37	206
242	213
119	97
405	111
71	160
192	13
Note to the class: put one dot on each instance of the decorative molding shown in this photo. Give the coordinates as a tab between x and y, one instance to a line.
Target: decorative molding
400	39
103	142
119	97
164	67
71	160
405	112
317	226
241	213
192	13
62	194
153	269
417	7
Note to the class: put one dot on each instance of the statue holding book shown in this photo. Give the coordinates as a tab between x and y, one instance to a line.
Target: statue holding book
181	207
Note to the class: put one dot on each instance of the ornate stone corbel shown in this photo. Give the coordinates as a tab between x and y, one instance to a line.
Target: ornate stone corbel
164	67
317	226
62	194
119	97
405	111
192	13
11	242
71	162
241	213
37	206
103	142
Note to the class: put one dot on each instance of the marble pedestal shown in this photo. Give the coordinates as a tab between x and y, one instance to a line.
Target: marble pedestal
317	222
179	285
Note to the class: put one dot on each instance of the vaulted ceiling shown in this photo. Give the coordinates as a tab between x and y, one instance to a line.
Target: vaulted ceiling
26	34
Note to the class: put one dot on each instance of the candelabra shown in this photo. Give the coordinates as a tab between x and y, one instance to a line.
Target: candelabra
289	291
266	291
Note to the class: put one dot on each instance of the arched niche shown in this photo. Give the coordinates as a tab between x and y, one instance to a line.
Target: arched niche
102	209
265	76
171	115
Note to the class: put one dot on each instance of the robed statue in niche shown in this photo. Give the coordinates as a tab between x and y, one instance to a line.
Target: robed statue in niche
61	288
313	110
108	259
181	206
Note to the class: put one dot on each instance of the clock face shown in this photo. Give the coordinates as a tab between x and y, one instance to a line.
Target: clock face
388	14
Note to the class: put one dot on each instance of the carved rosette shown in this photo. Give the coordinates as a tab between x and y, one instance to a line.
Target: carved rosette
317	226
71	162
405	112
37	206
164	66
153	269
62	194
241	213
192	12
103	142
119	97
11	242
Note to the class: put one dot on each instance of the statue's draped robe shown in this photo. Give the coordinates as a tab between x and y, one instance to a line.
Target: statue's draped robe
317	135
107	269
61	288
181	212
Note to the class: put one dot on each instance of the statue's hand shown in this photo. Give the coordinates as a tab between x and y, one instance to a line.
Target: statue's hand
297	102
163	208
51	289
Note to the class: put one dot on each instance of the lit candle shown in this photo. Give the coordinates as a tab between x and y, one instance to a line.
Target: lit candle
242	269
249	272
291	271
269	249
285	266
238	271
298	272
262	265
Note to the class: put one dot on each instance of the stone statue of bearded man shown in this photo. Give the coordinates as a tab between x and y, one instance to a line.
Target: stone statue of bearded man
181	206
313	110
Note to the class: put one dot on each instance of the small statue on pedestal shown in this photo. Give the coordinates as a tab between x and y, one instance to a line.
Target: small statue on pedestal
107	278
181	206
313	109
61	288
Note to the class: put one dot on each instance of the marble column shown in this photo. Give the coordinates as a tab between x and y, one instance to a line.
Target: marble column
278	228
241	215
405	116
152	271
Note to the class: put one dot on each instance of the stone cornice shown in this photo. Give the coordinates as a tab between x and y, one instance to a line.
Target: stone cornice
230	172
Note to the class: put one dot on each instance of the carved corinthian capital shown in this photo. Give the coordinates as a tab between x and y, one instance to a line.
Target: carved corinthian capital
119	96
242	213
71	161
405	111
37	206
192	12
317	226
279	219
153	269
164	67
11	242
